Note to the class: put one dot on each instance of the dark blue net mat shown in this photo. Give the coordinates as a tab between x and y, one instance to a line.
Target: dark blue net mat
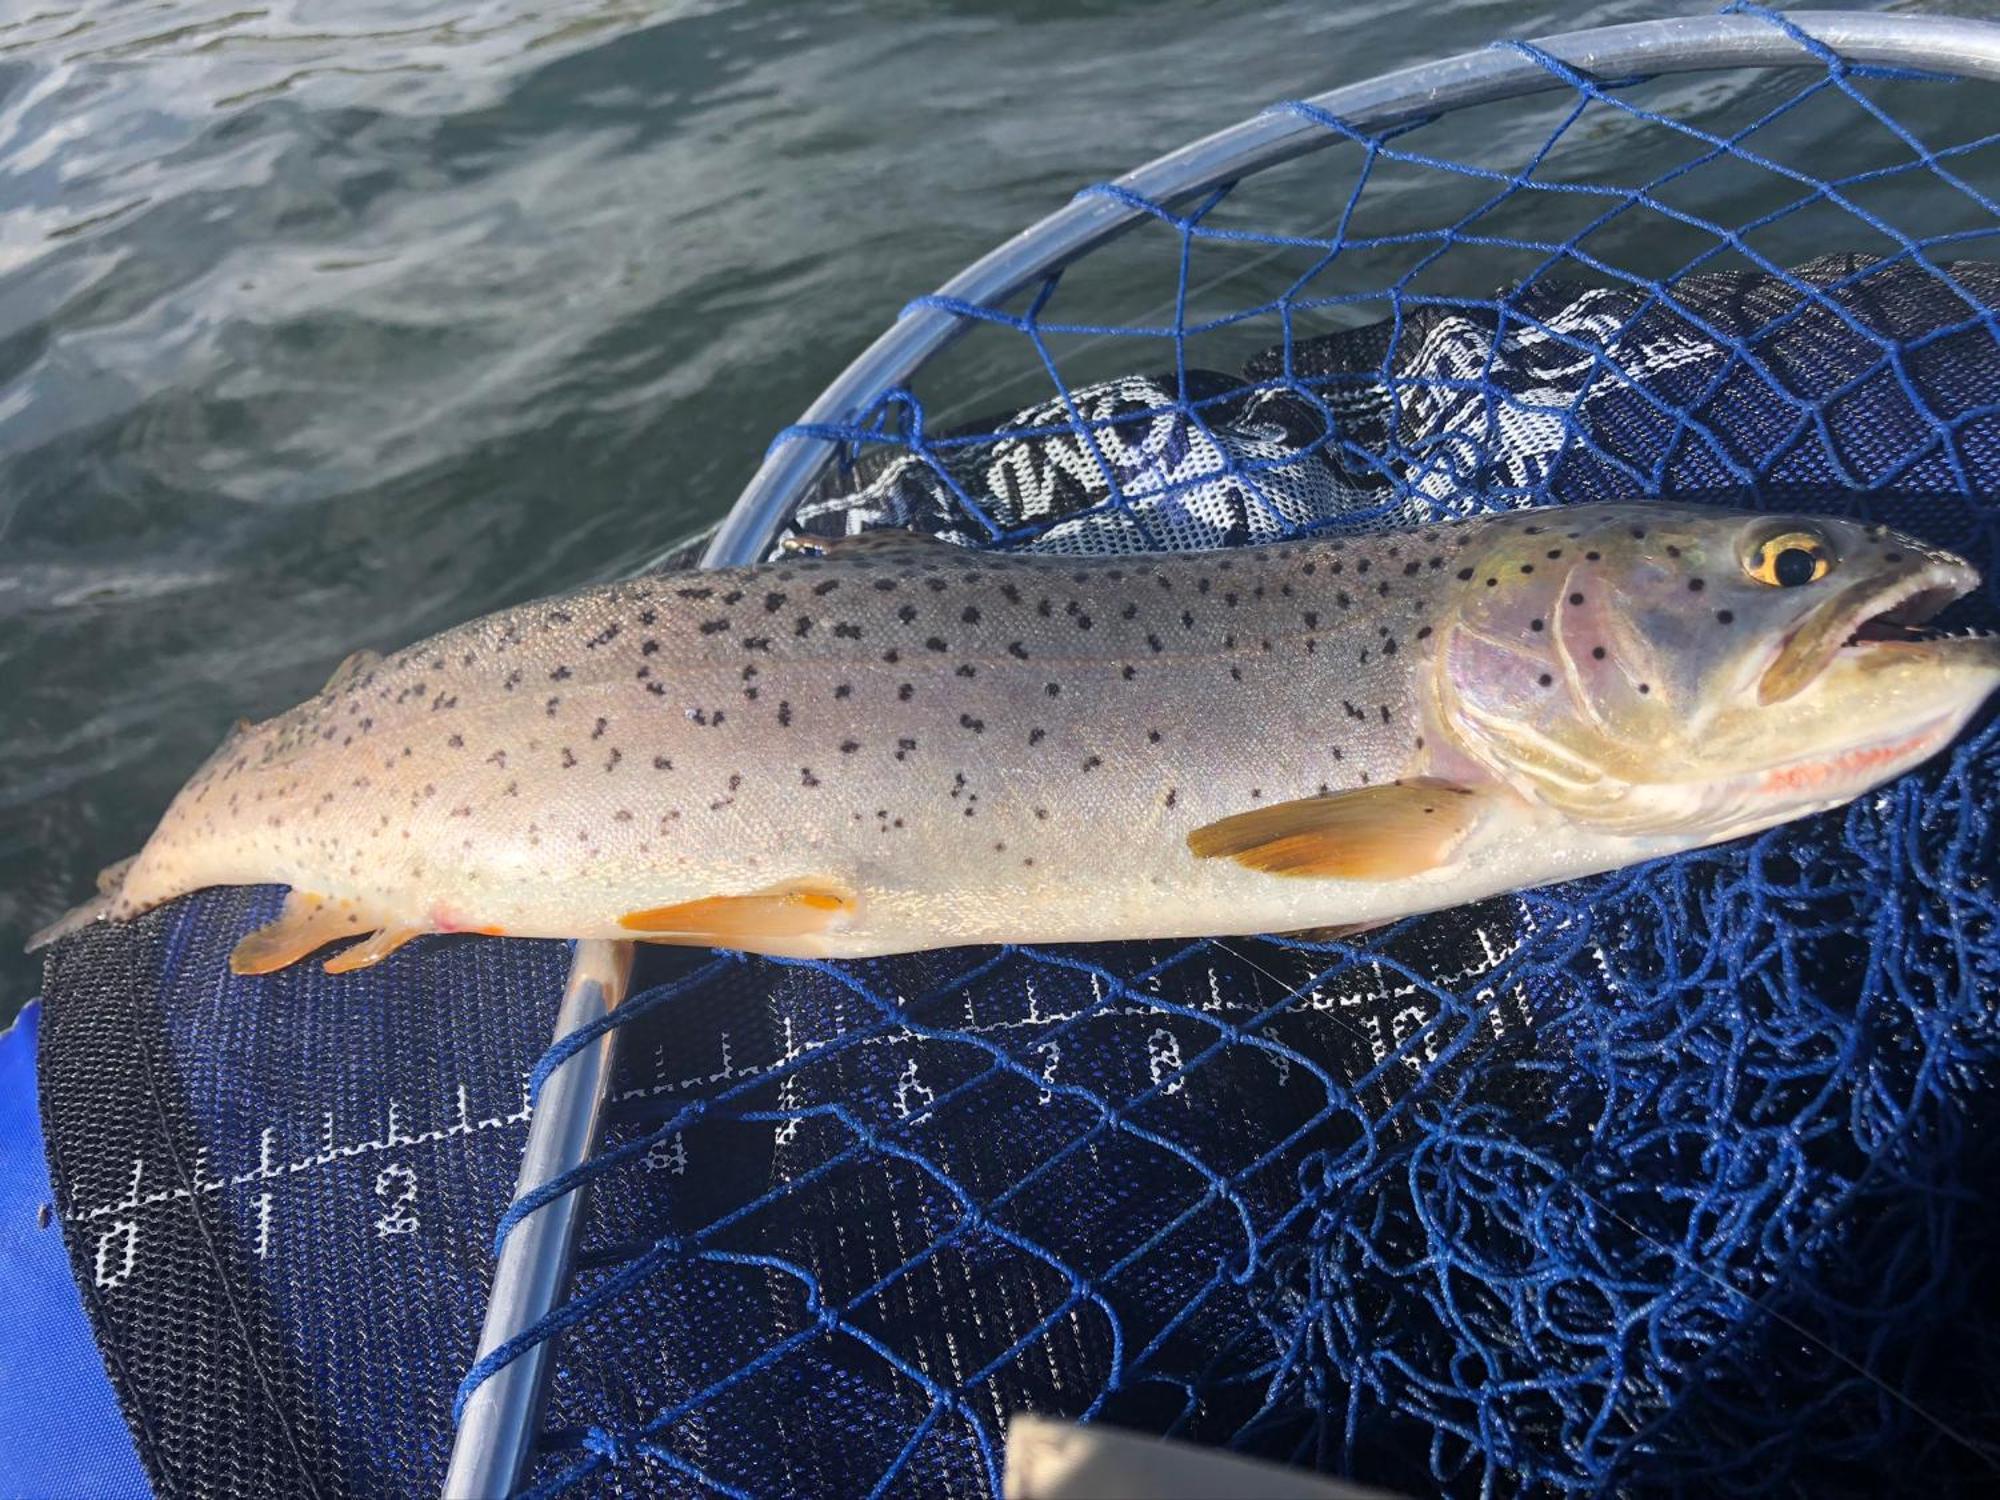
1675	1180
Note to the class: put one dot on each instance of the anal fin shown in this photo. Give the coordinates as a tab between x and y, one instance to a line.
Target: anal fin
372	949
780	913
1386	832
308	922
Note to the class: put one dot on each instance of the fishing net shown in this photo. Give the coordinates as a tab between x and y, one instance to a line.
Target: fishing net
1675	1179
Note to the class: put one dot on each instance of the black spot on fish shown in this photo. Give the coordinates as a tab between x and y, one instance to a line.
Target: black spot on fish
1696	585
906	691
714	627
1725	617
1597	653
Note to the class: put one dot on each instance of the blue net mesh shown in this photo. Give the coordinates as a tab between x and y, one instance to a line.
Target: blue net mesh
1672	1179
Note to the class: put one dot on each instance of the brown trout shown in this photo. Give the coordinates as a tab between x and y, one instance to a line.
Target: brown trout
903	745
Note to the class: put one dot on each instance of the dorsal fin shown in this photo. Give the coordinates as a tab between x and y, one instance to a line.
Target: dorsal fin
351	667
877	543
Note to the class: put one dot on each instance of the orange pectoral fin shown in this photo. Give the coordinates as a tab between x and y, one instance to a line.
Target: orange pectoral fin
307	923
1382	832
782	913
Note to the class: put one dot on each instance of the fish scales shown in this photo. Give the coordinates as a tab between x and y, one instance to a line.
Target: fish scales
909	745
960	738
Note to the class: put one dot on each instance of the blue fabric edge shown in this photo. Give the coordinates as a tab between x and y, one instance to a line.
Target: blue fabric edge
62	1434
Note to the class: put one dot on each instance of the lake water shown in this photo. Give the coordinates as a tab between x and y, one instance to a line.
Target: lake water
330	326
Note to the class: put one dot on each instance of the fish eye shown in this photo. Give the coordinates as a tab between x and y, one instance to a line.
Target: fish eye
1790	561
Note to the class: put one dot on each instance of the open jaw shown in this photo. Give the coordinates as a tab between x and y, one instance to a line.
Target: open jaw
1887	614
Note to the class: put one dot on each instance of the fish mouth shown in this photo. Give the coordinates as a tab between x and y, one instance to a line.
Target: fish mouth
1879	614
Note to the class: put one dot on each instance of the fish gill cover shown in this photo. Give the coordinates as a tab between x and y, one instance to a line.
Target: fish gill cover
1677	1179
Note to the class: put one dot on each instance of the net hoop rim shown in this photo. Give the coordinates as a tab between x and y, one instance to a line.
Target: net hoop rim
1641	49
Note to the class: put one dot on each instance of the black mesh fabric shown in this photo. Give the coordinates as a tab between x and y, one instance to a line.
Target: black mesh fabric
278	1194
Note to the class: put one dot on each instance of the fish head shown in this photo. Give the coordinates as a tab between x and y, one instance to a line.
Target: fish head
1671	669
